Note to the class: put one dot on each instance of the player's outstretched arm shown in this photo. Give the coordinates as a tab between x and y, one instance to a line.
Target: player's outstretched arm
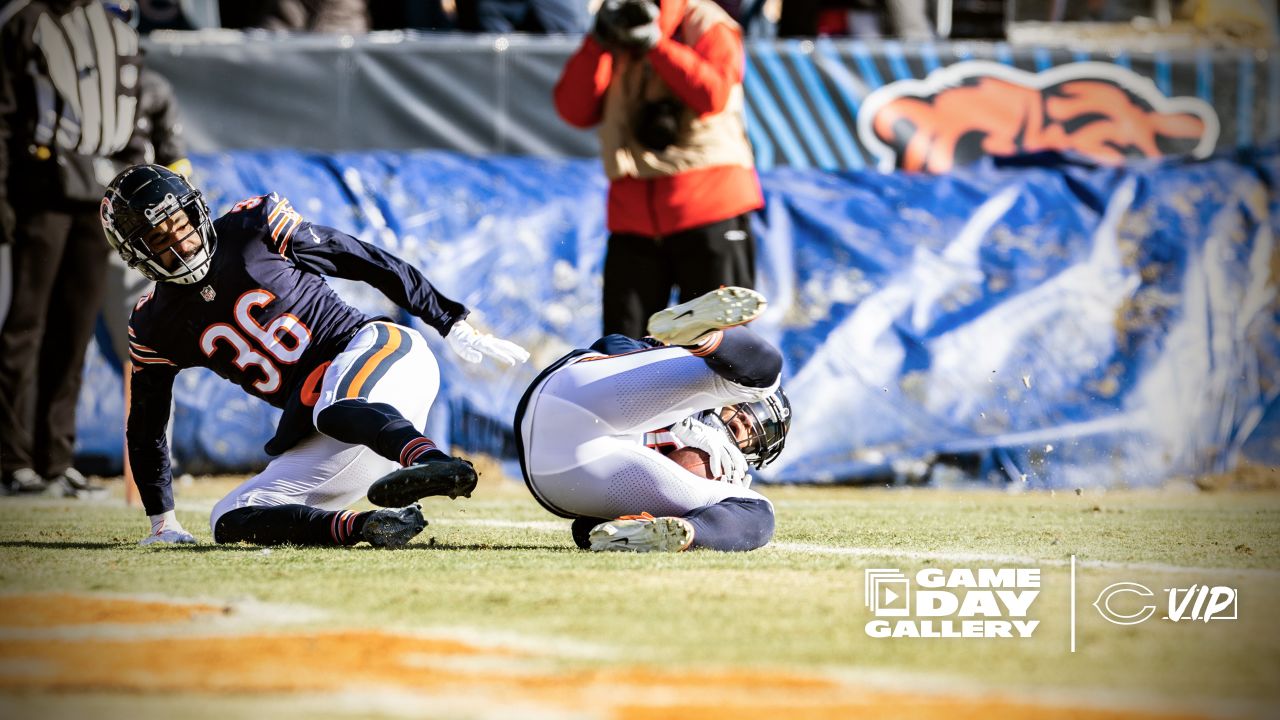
340	255
473	345
151	392
327	251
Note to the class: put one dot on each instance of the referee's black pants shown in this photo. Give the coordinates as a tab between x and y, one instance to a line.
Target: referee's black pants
640	271
59	261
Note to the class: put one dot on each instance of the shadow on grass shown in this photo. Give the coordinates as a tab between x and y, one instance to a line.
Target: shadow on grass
415	547
125	545
243	547
426	547
68	545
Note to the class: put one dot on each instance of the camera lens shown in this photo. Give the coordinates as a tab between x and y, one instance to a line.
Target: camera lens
658	124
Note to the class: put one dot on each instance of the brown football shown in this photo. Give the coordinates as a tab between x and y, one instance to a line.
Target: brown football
694	460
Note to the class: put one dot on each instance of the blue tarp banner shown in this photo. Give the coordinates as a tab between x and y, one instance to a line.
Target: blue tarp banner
1040	321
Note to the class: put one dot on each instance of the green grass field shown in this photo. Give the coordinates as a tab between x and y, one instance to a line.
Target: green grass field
492	613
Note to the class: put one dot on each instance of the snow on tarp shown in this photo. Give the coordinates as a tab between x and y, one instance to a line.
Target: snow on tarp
1035	320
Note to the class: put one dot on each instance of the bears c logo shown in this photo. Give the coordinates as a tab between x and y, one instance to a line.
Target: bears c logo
965	111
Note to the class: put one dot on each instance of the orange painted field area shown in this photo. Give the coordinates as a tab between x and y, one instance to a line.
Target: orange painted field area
53	644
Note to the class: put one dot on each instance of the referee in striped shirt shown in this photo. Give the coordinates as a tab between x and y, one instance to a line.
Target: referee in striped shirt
68	98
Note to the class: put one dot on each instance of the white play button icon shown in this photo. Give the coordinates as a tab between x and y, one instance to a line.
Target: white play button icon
882	600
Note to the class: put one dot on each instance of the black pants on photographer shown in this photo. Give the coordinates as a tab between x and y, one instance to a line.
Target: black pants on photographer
641	272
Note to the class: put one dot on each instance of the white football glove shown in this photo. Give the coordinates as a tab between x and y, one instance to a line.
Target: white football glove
166	529
726	461
473	346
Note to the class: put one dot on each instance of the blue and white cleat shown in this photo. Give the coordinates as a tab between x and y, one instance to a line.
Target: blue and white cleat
642	533
685	323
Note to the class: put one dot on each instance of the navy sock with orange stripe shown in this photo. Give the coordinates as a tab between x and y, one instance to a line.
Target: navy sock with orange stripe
732	525
740	356
292	525
420	449
378	426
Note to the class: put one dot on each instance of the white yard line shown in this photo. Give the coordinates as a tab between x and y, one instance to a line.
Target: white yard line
226	617
951	556
941	555
541	525
239	616
196	506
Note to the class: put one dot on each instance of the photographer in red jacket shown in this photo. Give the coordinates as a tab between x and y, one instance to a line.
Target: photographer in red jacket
664	84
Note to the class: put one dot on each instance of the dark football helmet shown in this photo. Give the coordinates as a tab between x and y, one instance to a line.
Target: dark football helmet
140	199
768	421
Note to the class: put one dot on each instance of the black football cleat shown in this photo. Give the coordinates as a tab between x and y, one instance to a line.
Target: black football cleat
393	528
427	478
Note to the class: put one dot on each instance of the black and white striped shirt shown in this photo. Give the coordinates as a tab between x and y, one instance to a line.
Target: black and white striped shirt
69	82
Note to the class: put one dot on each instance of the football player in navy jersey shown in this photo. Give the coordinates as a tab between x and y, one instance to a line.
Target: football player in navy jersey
645	443
244	296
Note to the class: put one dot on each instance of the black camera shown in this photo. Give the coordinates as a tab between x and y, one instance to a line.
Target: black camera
657	125
627	25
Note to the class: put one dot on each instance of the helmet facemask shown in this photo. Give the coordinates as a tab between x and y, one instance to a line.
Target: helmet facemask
767	422
144	198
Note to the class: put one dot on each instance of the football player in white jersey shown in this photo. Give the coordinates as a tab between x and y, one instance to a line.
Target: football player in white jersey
646	443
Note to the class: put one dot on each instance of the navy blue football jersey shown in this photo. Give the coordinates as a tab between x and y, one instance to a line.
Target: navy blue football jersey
263	318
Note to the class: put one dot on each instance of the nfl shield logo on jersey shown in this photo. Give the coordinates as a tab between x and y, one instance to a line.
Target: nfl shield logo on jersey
207	293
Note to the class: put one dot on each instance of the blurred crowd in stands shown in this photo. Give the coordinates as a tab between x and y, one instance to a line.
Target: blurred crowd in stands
866	19
911	19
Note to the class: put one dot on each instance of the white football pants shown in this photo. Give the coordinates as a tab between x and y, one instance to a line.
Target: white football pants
383	363
583	434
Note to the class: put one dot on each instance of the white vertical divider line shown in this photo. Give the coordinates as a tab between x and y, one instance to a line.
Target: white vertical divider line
1073	603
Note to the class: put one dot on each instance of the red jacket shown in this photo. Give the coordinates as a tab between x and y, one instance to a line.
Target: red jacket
701	76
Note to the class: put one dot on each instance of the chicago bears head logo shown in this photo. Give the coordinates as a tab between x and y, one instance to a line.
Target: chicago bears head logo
965	111
107	214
